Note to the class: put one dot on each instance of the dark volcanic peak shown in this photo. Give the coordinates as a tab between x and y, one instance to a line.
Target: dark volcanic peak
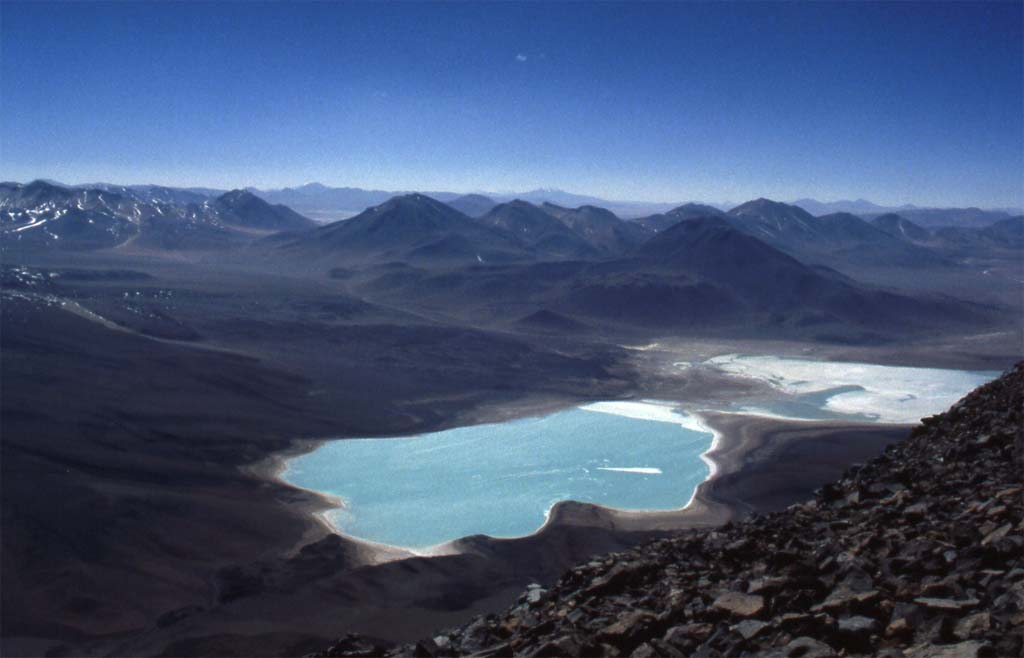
237	197
243	208
702	272
411	227
711	249
773	220
415	200
538	229
762	207
918	553
666	220
601	228
776	222
707	239
597	214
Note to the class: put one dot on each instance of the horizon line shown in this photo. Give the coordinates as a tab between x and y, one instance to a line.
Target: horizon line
506	193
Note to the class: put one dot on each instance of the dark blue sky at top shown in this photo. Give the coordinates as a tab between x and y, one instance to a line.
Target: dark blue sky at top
919	103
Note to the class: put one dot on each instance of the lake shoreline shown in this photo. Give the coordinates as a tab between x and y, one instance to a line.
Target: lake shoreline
741	439
580	453
740	442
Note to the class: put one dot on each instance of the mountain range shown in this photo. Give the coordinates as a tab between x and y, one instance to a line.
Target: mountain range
1002	235
468	227
40	214
926	216
828	238
325	203
763	265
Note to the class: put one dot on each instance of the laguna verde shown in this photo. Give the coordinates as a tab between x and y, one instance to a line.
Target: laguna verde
501	479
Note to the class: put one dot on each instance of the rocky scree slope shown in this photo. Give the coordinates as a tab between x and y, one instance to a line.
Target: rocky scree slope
918	553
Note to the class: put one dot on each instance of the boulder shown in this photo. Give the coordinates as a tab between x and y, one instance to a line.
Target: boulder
740	605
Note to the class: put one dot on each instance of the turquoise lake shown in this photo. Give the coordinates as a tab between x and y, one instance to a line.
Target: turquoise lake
500	479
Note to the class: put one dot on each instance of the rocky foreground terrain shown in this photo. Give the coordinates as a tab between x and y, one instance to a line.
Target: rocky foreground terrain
917	553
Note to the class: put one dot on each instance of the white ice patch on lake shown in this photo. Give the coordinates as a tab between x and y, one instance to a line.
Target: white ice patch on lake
889	394
662	412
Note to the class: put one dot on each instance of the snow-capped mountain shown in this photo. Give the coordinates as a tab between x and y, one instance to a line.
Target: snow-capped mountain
44	214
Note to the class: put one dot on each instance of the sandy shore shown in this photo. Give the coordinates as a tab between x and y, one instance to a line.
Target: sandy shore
758	464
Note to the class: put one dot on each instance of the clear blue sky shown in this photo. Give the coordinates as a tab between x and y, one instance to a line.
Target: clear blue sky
901	102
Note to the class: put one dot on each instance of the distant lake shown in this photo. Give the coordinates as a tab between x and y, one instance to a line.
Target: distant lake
500	479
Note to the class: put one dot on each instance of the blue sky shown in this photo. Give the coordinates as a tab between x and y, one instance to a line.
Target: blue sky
919	103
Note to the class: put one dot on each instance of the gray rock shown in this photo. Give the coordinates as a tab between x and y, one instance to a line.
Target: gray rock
680	636
947	605
767	585
857	625
739	605
843	598
628	629
973	626
750	628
